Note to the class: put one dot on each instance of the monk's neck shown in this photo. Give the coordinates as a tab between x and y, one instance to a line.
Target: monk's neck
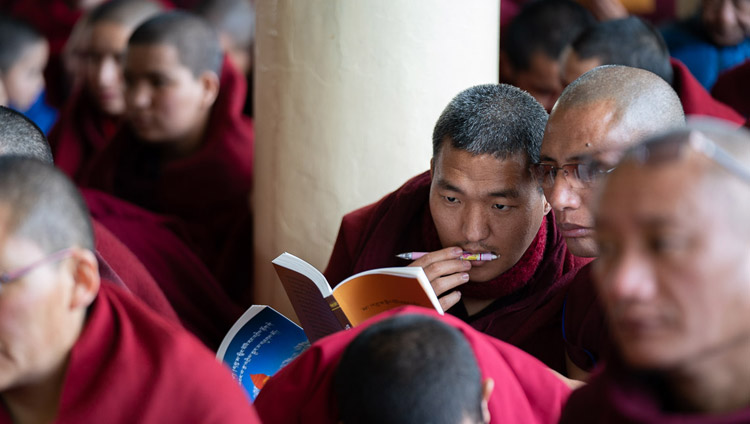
474	306
717	384
37	402
187	144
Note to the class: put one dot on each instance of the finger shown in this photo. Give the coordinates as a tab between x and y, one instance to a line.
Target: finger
436	270
449	282
437	256
450	299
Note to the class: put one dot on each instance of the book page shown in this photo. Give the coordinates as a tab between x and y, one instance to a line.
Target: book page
312	309
258	345
370	293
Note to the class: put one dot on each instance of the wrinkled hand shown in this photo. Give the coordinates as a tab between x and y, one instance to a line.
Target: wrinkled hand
445	271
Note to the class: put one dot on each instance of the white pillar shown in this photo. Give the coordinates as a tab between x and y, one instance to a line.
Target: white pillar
347	94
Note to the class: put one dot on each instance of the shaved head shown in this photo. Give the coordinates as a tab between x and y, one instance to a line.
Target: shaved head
21	137
233	17
640	99
196	42
128	13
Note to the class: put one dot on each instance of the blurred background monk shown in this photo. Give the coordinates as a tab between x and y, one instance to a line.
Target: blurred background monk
674	277
76	350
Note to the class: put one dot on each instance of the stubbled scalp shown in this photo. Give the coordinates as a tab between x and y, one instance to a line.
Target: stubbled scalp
129	13
640	99
19	136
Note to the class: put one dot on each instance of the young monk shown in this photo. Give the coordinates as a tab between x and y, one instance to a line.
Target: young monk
674	277
480	197
92	115
186	150
633	42
598	116
76	350
439	356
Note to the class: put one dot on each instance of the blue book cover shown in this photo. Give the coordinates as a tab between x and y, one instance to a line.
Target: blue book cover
258	345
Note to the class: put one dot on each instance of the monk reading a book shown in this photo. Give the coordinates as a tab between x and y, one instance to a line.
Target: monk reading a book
674	278
480	197
75	350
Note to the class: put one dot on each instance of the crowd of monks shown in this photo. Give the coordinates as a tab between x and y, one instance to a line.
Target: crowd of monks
609	178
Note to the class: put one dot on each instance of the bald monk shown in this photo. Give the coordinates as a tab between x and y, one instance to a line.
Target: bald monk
186	150
480	197
92	115
76	350
674	277
439	373
633	42
598	116
144	250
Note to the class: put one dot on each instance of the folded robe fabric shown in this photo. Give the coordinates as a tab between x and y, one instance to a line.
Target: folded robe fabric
208	190
696	100
617	395
529	318
131	366
193	292
130	272
81	132
525	390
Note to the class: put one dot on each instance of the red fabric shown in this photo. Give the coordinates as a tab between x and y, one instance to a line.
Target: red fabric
195	295
733	88
696	100
131	366
208	191
620	395
525	390
530	318
131	272
585	328
81	132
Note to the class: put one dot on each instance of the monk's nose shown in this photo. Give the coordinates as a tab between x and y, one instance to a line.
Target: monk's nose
476	224
561	195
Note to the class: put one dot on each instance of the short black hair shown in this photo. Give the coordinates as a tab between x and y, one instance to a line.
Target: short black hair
545	26
409	369
21	137
497	119
15	37
234	17
124	12
630	42
45	206
196	41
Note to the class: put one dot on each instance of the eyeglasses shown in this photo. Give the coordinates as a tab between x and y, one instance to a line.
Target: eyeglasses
14	275
674	147
583	174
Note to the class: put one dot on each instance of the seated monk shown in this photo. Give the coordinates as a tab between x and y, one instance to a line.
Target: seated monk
91	116
633	42
143	249
187	150
480	197
598	116
75	350
674	277
434	354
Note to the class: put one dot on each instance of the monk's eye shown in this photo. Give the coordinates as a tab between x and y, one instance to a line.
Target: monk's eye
450	199
664	244
500	207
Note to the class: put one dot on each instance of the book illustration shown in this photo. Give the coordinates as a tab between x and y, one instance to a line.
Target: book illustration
258	345
323	311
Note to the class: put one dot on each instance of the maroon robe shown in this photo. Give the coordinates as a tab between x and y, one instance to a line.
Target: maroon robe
696	100
621	395
193	292
530	318
208	190
118	264
81	132
131	366
525	390
733	88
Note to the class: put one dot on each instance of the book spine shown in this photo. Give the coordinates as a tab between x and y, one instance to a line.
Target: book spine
339	313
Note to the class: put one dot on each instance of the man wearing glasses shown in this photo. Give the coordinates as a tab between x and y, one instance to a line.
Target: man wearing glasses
597	117
674	277
73	350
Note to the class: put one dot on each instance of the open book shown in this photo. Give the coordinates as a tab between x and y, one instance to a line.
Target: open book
323	311
258	345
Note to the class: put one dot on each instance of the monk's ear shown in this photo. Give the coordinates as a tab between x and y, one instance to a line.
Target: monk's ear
488	385
86	281
432	168
547	206
210	83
